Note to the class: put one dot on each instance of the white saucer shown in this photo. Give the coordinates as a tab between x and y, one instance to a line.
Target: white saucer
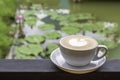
59	61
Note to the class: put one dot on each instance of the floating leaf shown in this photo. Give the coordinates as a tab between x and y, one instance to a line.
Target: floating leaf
108	43
21	56
47	27
35	39
70	30
30	20
52	35
29	13
30	50
36	6
50	48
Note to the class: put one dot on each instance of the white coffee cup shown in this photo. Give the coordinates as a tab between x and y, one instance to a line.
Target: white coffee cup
80	50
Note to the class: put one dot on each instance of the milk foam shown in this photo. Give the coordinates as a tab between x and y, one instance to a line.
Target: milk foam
77	42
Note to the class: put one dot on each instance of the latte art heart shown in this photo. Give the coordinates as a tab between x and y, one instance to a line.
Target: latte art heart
77	42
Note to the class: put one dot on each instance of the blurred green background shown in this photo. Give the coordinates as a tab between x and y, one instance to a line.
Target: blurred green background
105	10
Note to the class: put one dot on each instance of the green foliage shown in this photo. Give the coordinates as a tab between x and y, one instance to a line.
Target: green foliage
4	28
18	42
5	42
8	7
71	17
89	27
21	56
75	24
108	43
5	39
47	27
29	13
111	30
30	20
28	51
81	16
52	35
71	24
53	14
36	6
50	48
70	30
35	39
1	54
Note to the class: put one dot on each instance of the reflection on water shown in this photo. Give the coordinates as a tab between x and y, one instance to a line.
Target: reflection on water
108	11
64	4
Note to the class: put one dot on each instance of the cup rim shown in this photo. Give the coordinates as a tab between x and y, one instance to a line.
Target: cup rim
60	42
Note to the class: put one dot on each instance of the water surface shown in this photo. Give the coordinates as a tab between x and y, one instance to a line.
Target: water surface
106	11
103	10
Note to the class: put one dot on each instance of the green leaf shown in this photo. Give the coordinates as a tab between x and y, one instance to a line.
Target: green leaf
31	49
8	7
47	27
89	27
52	35
50	48
30	13
30	20
70	30
35	39
108	43
22	56
36	6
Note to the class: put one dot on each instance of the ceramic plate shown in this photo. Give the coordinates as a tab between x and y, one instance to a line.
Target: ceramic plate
59	61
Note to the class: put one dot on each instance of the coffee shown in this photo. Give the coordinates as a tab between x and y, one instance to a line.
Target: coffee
80	50
78	42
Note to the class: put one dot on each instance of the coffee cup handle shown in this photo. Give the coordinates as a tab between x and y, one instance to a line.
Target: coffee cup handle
101	52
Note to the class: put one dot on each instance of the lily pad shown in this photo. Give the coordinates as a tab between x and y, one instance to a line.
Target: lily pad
106	28
35	39
28	50
81	16
33	18
29	13
47	27
52	35
62	18
50	48
53	14
108	43
18	42
70	30
36	6
21	56
74	24
30	20
89	27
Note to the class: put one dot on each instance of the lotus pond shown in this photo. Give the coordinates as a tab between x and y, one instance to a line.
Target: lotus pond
44	25
44	22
